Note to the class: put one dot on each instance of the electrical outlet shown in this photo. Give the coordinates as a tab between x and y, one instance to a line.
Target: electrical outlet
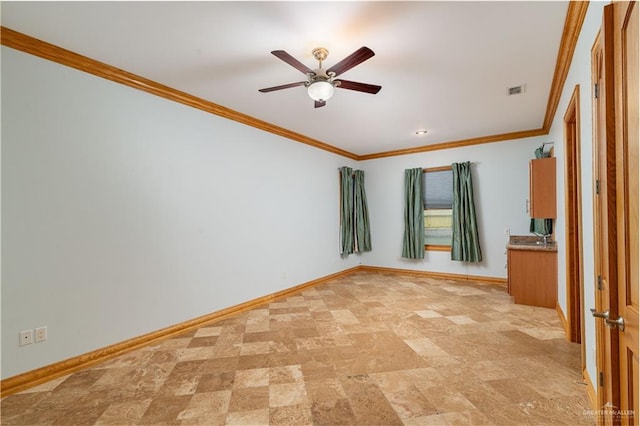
26	337
507	231
41	334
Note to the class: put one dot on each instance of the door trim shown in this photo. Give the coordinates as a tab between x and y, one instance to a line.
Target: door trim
573	221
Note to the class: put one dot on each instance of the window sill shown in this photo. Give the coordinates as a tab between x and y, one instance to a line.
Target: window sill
437	248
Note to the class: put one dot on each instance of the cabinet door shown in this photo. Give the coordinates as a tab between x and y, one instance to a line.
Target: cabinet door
542	188
533	276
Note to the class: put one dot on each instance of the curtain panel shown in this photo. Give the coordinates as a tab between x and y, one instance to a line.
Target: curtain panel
465	245
355	232
361	212
413	240
346	211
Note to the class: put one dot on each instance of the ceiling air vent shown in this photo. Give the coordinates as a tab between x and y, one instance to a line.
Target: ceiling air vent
515	90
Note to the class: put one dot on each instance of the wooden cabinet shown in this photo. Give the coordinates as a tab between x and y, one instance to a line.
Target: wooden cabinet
533	277
542	188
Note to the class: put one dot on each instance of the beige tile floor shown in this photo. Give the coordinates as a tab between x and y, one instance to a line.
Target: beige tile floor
366	349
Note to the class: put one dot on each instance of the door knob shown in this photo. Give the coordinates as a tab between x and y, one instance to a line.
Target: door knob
604	315
618	323
615	323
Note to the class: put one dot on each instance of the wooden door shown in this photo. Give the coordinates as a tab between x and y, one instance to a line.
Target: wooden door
615	73
604	211
625	30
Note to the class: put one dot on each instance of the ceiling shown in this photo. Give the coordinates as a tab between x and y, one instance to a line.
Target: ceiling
443	66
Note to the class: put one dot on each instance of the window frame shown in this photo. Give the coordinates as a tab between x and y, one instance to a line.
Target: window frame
437	247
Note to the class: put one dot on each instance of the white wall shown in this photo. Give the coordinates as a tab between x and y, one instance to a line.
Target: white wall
123	213
579	74
501	188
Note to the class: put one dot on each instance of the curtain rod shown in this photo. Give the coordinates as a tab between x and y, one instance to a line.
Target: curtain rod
442	167
445	168
470	162
352	174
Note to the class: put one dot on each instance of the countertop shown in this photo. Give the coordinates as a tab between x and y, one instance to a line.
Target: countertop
530	242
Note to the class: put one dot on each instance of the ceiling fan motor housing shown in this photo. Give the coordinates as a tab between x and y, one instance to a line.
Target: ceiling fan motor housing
321	74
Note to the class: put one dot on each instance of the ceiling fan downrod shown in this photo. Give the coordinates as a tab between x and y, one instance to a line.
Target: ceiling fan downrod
320	53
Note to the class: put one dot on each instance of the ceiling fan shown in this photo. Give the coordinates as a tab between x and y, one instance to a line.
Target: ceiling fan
321	82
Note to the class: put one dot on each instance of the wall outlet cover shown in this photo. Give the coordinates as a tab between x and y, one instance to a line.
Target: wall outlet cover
26	337
41	334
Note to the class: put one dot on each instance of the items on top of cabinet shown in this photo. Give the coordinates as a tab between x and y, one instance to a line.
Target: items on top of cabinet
545	150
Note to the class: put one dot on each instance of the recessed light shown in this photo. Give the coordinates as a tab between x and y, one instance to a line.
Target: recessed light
421	132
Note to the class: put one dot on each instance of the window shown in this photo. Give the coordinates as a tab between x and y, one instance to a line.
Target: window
437	187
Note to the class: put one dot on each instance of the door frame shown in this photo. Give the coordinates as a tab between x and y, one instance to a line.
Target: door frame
573	223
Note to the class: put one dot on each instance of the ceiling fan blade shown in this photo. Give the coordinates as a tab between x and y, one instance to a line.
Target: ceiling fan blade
284	86
318	104
357	57
281	54
360	87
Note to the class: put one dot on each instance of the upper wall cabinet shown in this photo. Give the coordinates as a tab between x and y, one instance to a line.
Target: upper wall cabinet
542	188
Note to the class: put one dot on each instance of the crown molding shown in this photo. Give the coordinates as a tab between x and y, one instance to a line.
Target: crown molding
573	24
42	49
576	12
456	144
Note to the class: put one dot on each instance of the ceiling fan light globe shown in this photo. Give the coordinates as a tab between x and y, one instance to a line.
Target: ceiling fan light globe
320	90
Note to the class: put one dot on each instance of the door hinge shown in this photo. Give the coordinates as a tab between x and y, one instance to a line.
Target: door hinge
599	282
596	91
601	378
597	186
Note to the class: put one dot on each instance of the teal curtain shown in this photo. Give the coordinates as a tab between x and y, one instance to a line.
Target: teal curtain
465	245
413	241
346	211
361	214
541	226
355	233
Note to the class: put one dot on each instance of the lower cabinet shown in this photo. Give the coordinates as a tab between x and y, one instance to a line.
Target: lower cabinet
533	277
